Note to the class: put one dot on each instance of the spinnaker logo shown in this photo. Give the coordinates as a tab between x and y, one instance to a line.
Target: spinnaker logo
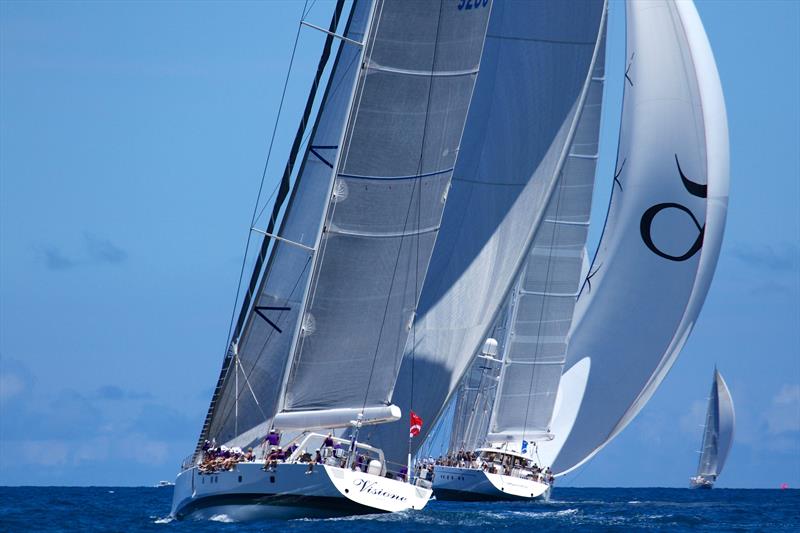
372	487
646	224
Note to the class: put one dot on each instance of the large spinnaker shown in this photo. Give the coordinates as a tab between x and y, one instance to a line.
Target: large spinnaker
393	171
663	233
534	68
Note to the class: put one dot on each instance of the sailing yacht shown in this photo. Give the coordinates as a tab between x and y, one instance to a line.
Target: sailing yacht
646	285
316	348
717	435
495	457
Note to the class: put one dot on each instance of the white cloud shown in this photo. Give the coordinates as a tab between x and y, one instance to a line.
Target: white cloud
10	385
783	415
692	421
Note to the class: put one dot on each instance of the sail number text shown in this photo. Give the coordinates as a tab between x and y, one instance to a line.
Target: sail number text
469	4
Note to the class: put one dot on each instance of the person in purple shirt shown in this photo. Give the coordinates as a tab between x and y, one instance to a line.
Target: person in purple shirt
328	442
274	438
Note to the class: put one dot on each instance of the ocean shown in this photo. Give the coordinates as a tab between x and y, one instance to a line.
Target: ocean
571	509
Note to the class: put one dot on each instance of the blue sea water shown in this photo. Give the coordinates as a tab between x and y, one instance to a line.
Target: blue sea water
578	509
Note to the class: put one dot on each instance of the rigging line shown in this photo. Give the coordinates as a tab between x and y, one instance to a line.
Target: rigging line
405	225
306	12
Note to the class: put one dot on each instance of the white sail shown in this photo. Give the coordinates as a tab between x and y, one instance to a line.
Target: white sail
718	431
544	298
392	173
535	65
246	397
662	236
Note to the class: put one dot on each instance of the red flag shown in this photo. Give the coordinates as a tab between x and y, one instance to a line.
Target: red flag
416	425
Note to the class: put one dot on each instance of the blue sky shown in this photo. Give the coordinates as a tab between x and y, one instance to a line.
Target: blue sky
132	140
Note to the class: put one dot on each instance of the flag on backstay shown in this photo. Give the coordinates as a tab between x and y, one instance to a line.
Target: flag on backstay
416	425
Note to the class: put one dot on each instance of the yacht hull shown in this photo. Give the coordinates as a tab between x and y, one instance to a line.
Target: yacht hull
471	484
290	491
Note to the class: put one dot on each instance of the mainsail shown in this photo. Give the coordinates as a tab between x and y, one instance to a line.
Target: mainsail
662	236
392	175
719	428
535	65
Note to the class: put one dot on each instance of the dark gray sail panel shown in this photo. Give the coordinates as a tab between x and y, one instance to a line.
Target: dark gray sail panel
401	144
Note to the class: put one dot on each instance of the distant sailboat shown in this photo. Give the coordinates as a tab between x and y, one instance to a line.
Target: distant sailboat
717	435
332	299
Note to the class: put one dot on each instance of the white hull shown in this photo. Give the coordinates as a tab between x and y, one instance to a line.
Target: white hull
701	482
471	484
250	493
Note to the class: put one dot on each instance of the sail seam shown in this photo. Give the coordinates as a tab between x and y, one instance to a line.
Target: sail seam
396	178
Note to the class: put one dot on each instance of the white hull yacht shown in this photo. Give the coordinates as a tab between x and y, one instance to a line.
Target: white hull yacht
296	488
331	302
495	475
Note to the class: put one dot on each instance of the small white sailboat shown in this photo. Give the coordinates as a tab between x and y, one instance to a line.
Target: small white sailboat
717	435
332	299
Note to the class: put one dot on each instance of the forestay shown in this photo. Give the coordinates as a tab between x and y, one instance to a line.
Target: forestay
393	173
662	237
534	66
719	428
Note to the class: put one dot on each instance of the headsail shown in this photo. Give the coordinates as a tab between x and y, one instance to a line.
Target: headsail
264	331
534	67
663	233
719	428
393	171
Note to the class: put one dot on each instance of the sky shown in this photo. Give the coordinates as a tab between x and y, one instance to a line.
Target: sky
133	136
